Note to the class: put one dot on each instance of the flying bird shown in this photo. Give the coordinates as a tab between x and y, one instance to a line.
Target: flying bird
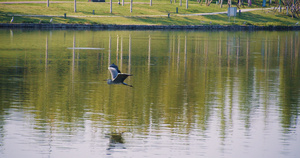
12	19
117	76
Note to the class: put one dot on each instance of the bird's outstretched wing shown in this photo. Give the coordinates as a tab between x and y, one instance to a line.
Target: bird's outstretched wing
121	77
113	71
116	67
116	75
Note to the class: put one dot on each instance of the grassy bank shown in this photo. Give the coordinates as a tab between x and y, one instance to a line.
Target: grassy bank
143	14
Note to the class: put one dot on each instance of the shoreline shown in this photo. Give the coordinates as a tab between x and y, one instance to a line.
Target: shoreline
150	27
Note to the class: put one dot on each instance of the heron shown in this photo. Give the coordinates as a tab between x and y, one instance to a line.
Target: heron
12	19
51	20
117	76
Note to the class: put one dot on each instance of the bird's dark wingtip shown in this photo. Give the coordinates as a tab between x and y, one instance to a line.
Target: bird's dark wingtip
112	65
115	66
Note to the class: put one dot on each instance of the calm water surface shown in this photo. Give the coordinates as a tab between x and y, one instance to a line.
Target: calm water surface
195	94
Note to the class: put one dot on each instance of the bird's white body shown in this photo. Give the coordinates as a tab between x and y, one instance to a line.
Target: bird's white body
12	19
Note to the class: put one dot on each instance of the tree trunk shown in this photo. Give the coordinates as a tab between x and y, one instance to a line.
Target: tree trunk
75	6
187	4
208	2
131	6
110	6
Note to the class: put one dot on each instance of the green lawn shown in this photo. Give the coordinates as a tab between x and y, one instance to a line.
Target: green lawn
262	17
78	0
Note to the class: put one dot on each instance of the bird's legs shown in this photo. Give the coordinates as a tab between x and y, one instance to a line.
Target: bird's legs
127	84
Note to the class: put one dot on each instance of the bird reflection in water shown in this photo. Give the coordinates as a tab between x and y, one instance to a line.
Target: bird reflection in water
117	76
116	141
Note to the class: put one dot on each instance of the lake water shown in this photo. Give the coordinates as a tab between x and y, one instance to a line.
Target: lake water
195	94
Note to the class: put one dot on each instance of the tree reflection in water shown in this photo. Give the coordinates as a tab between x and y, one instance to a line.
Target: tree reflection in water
223	91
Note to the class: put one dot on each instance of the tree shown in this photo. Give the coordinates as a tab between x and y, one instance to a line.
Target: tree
187	4
221	3
249	3
75	6
208	2
292	7
131	6
110	6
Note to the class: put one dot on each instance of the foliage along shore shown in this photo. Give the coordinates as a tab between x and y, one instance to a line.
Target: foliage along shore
149	27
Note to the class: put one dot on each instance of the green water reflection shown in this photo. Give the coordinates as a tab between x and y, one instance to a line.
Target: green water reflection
221	92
